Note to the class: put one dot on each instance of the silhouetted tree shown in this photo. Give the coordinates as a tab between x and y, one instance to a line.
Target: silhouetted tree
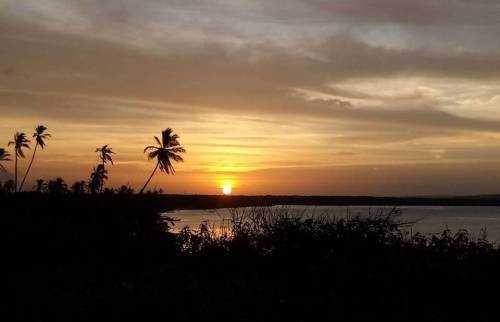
105	156
109	191
97	178
40	136
168	149
20	142
125	190
57	186
9	186
40	186
4	156
78	187
155	191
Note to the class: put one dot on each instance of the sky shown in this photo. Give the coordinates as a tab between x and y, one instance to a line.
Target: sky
311	97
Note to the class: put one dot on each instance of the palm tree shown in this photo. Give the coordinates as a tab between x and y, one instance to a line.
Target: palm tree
4	156
105	155
40	136
20	142
97	178
168	149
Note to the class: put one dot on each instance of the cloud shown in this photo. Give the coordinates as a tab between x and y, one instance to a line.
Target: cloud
253	79
295	82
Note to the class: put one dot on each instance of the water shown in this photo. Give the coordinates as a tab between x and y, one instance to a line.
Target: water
429	219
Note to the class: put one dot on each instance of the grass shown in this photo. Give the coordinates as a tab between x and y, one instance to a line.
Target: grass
79	258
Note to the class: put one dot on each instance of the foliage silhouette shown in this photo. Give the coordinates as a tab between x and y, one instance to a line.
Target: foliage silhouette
7	186
40	186
57	187
114	257
168	149
105	156
20	142
40	136
125	190
97	178
4	156
78	187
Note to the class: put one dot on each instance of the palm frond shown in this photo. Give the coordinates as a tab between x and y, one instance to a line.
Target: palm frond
40	129
175	157
4	155
20	142
178	149
153	154
105	153
40	136
150	147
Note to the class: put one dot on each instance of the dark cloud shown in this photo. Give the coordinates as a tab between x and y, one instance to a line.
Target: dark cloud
413	12
254	79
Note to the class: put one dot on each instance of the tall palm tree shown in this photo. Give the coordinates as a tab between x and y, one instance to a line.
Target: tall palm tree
105	156
40	136
97	178
20	142
4	156
168	149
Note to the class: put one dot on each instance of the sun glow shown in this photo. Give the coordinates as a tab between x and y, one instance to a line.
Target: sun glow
227	189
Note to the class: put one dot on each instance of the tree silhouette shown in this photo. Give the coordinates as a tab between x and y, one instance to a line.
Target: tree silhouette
4	156
105	156
20	142
97	178
168	149
57	186
40	186
40	136
78	187
9	186
125	190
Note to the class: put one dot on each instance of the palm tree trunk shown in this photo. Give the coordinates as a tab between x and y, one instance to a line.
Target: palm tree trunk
29	167
102	179
15	175
151	177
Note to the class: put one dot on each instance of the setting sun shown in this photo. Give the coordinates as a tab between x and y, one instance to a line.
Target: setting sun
227	189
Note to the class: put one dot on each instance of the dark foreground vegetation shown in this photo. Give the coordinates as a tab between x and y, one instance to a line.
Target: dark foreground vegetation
112	258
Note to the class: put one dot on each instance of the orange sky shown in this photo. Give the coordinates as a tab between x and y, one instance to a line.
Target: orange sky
281	97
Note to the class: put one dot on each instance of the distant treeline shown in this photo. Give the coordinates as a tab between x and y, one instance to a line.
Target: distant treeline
162	201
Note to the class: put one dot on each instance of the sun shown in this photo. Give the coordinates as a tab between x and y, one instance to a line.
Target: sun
227	189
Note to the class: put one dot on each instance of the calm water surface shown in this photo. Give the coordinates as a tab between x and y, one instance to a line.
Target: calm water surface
430	219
